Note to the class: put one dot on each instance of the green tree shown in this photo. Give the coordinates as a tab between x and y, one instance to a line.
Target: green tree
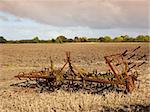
92	39
2	39
83	39
147	38
36	40
76	39
80	39
61	39
53	40
107	39
142	38
125	37
119	39
69	40
101	39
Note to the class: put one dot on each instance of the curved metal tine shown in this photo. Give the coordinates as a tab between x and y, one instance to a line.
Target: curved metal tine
131	56
131	67
124	53
129	63
135	66
144	56
138	59
130	53
104	88
141	64
136	48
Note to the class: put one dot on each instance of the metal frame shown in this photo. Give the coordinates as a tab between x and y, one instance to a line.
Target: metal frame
120	65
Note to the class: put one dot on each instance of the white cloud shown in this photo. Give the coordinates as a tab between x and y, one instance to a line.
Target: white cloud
100	14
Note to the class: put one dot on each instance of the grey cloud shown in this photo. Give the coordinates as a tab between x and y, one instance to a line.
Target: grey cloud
3	18
95	13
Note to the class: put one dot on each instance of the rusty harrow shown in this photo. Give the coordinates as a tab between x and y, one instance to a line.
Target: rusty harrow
121	75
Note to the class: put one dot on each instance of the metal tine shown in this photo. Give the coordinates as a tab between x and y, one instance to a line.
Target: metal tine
18	83
131	51
130	63
131	56
136	48
141	57
141	64
124	53
131	67
117	64
136	66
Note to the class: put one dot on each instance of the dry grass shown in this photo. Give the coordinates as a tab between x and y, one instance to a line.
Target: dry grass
25	57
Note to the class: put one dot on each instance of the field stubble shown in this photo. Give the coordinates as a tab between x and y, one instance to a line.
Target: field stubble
15	58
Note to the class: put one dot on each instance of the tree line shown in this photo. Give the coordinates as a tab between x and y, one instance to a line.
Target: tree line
63	39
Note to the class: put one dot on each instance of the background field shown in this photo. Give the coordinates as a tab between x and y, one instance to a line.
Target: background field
15	58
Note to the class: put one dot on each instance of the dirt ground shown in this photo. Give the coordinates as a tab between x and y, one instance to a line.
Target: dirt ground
15	58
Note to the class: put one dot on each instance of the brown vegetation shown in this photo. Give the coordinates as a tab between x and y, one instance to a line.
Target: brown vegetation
15	58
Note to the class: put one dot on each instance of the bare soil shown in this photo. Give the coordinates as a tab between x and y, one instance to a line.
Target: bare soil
15	58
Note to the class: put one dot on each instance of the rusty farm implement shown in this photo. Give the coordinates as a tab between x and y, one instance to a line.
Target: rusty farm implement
121	75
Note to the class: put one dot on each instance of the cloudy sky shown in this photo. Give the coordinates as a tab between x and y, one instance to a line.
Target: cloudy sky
24	19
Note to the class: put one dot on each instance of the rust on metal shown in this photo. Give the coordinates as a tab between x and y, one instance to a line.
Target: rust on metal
69	77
